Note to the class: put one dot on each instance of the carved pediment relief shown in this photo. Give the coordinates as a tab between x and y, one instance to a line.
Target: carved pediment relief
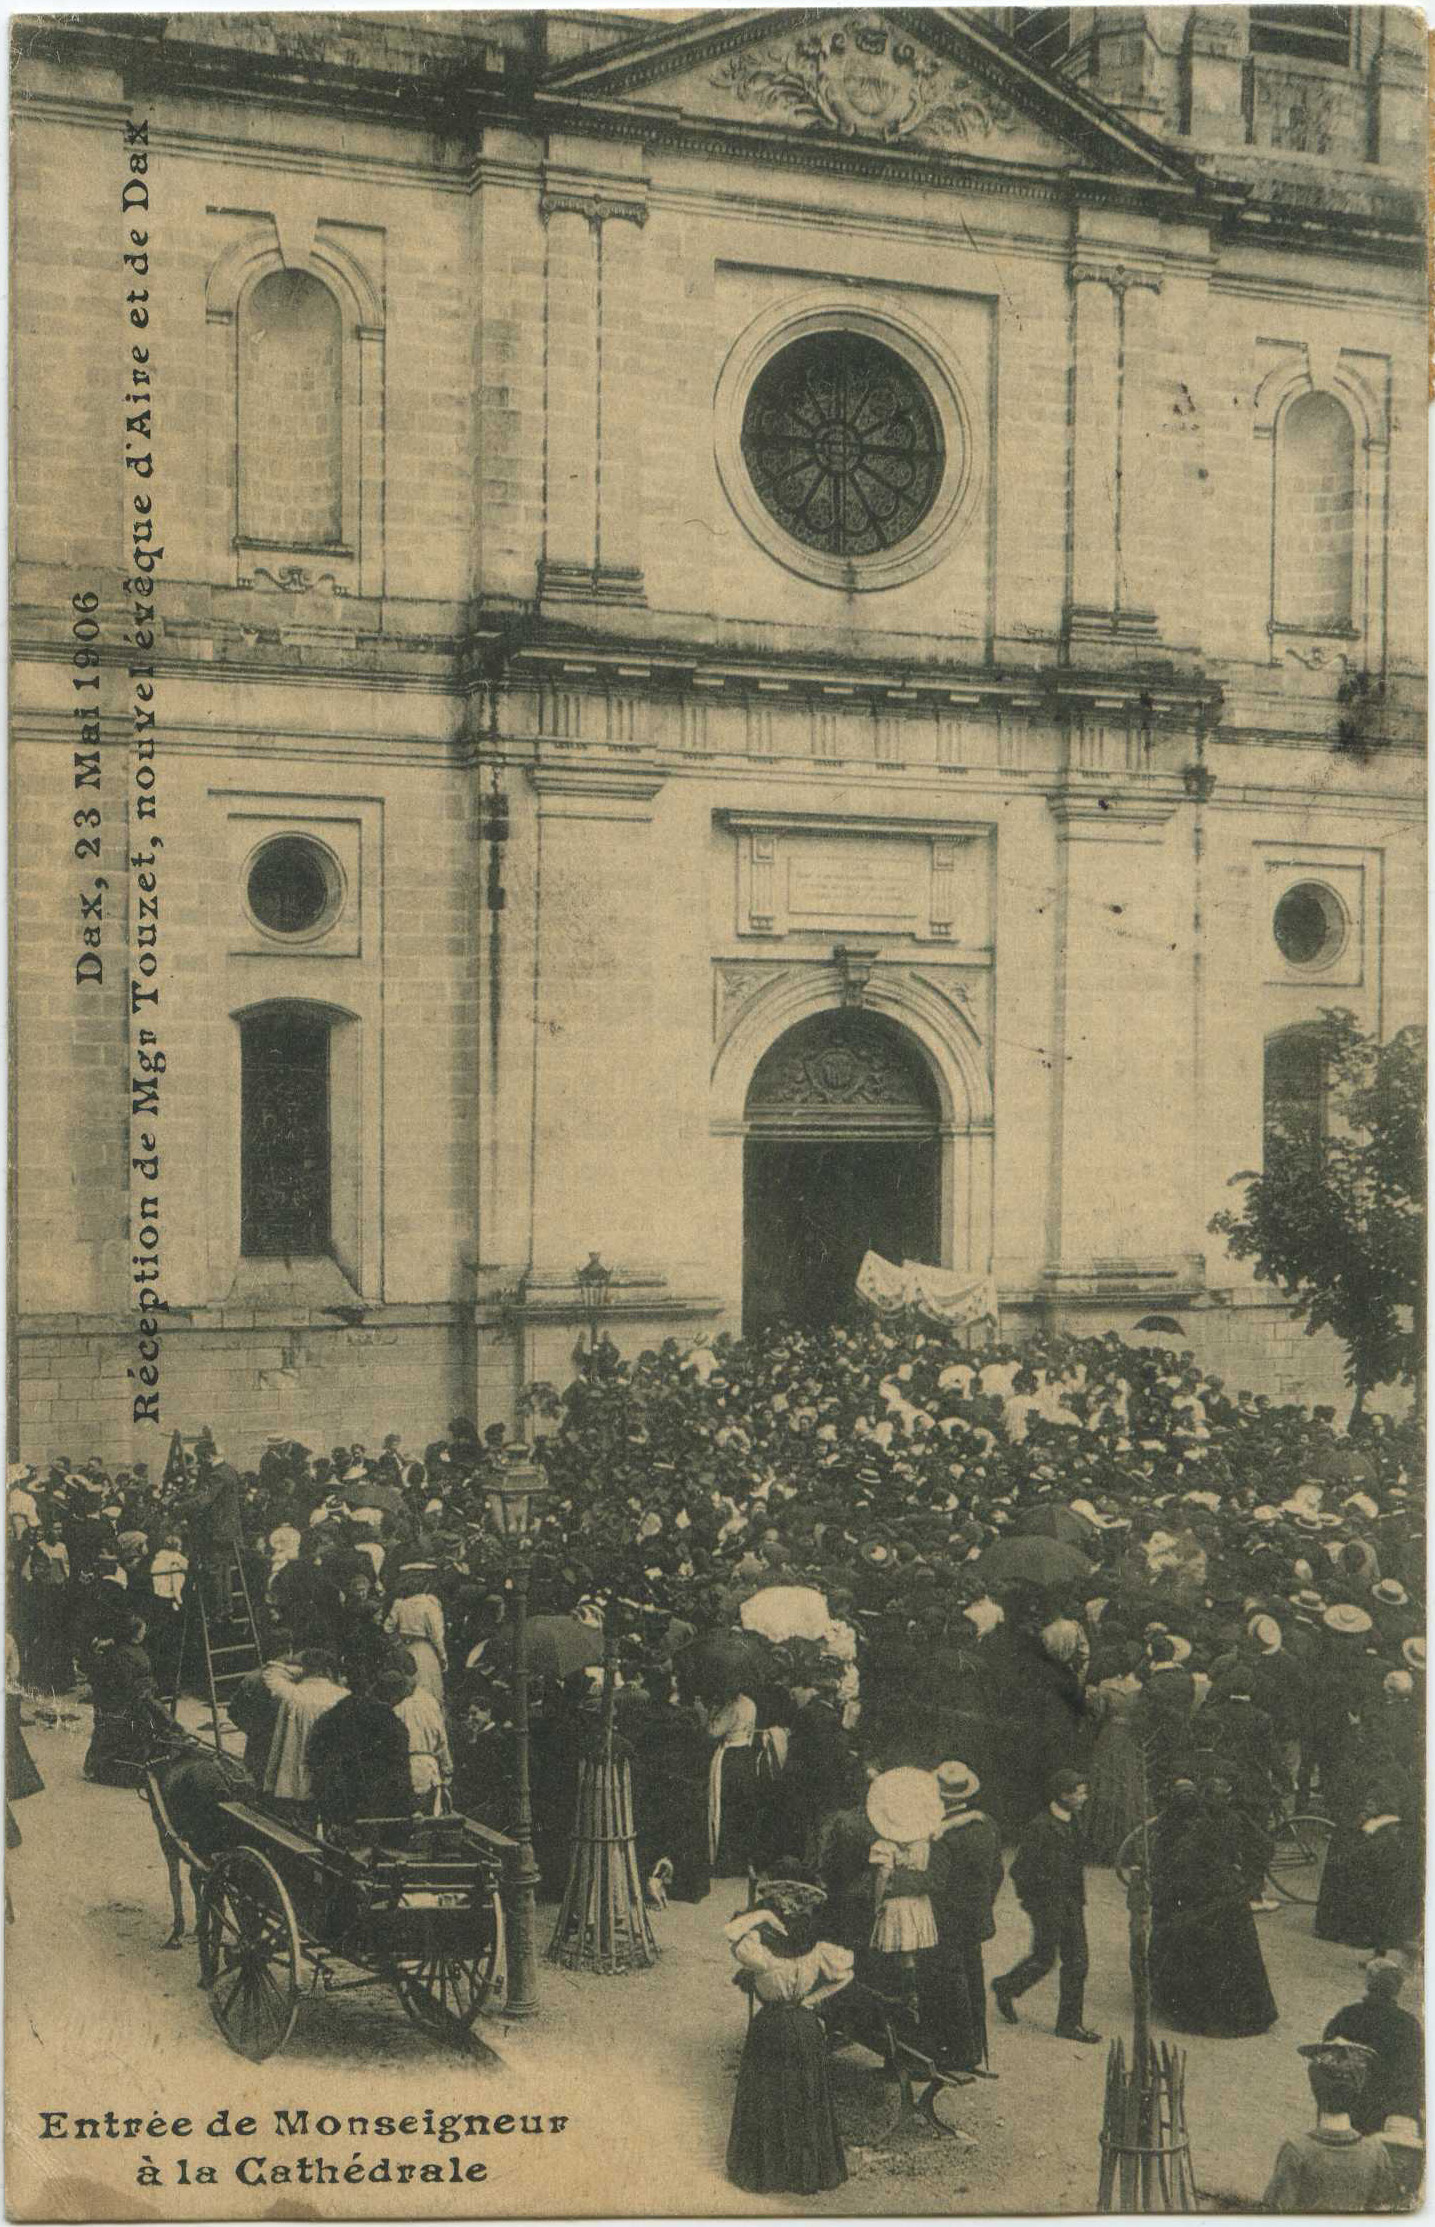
862	78
939	81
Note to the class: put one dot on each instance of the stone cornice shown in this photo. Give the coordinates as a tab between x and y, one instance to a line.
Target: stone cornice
1113	811
586	787
784	149
749	819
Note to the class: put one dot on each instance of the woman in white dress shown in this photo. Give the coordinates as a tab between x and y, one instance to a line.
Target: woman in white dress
416	1620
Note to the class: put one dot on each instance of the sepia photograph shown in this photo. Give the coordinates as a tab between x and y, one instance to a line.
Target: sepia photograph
717	1109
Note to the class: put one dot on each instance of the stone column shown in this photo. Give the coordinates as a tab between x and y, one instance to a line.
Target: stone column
571	396
621	346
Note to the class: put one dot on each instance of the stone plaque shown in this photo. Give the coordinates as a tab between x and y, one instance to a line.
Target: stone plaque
841	878
926	881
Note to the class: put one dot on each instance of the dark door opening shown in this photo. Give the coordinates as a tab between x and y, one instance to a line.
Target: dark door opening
812	1209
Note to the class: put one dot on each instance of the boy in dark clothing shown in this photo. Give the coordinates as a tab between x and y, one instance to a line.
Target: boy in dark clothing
1047	1872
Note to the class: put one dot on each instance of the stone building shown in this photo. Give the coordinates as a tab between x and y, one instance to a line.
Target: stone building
776	631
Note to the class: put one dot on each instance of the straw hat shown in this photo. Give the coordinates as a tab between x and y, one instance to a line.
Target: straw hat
1346	1617
956	1782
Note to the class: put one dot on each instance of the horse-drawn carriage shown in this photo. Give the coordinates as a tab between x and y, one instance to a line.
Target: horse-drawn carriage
410	1903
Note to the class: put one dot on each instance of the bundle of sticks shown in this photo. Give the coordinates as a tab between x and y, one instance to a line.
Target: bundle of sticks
603	1923
1145	2148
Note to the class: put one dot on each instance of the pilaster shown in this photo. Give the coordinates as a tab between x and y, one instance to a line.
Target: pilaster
1107	609
595	1042
1122	1022
621	343
570	535
593	527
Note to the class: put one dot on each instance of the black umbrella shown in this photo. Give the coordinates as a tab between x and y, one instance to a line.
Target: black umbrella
1029	1561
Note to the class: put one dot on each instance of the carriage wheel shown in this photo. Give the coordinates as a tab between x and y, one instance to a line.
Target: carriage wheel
249	1947
445	1992
1298	1858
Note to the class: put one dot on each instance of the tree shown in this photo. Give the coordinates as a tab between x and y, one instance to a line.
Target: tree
1337	1216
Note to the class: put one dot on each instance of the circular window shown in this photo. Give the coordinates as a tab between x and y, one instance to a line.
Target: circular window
1310	925
294	887
843	444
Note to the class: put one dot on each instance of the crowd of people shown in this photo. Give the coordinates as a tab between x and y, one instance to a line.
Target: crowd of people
1080	1579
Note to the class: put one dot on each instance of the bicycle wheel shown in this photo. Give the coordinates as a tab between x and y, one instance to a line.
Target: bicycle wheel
1299	1857
1132	1852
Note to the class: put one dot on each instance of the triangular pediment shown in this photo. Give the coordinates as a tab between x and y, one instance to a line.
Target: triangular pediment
928	81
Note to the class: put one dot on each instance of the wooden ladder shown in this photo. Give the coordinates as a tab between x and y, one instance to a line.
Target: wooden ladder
232	1660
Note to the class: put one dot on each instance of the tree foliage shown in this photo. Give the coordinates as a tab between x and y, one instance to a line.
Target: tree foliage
1336	1218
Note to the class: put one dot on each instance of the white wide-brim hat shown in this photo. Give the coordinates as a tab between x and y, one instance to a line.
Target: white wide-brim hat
904	1805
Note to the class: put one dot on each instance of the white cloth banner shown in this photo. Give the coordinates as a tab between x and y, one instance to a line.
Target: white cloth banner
882	1284
941	1294
949	1297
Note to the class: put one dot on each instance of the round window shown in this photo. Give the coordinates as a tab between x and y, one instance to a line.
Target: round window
843	444
293	887
1309	925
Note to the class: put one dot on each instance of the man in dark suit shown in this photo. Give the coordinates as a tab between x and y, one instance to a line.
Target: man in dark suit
1047	1872
966	1878
819	1765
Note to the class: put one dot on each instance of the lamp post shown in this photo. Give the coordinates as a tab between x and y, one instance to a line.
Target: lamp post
595	1283
510	1504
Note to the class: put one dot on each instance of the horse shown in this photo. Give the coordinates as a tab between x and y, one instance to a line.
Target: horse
185	1781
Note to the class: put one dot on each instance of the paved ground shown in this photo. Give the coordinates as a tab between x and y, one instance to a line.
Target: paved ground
100	2015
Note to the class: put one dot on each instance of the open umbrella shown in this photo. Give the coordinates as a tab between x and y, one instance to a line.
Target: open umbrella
1341	1465
1063	1524
719	1666
1028	1561
782	1612
386	1498
558	1645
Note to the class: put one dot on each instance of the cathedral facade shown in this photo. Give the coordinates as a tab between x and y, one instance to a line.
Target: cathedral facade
721	640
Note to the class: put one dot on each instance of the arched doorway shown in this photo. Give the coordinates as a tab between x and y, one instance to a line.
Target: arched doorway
842	1154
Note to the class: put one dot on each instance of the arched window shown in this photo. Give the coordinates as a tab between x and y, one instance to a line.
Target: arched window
1315	516
1296	1090
291	447
285	1149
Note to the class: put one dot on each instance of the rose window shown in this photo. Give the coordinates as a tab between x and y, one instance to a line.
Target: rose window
843	444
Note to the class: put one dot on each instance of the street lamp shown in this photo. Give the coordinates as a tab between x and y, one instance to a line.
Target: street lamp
595	1283
510	1504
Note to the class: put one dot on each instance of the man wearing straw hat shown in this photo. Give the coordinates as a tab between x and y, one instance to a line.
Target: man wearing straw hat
967	1876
